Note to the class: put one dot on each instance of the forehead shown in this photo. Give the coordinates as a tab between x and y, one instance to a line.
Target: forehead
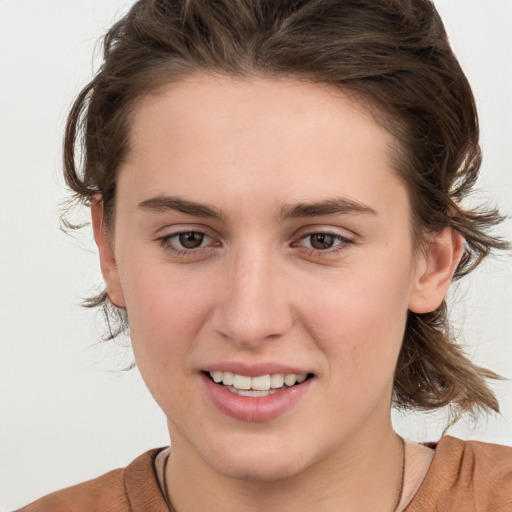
214	103
219	137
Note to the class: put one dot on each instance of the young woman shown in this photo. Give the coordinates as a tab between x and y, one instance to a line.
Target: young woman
276	191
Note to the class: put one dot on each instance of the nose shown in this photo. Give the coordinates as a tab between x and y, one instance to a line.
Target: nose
254	306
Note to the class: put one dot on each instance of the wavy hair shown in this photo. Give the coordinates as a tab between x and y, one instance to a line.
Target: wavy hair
392	55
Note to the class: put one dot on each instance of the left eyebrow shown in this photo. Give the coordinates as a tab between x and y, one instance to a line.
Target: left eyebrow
162	204
334	206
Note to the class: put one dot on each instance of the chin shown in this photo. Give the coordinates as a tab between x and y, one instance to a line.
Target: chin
255	463
259	471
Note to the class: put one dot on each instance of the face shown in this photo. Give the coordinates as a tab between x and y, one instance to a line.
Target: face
261	234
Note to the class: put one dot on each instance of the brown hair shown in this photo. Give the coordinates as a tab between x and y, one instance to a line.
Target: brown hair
393	55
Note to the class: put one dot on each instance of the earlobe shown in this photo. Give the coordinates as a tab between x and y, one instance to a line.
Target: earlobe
435	269
108	261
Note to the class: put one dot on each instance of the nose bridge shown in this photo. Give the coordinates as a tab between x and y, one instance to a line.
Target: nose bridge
254	305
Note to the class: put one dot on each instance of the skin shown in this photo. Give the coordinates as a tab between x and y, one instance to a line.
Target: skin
256	292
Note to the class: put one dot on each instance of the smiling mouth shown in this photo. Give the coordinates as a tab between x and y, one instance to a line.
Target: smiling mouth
259	386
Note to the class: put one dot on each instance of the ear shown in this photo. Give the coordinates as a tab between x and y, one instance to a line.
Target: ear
107	259
434	270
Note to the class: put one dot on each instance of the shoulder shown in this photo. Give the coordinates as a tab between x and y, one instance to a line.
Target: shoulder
131	489
466	476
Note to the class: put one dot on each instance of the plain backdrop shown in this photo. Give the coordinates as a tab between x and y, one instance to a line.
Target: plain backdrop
67	411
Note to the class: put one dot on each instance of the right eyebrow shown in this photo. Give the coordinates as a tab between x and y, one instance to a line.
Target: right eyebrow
161	204
334	206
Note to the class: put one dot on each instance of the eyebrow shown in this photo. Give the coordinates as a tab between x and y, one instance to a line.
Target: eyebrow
333	206
162	204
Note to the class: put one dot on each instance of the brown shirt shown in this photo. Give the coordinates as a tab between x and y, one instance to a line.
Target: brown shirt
465	476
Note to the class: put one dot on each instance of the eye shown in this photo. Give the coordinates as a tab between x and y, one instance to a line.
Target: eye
190	239
320	241
324	242
185	241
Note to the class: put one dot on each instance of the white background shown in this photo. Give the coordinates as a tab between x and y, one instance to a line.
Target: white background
66	413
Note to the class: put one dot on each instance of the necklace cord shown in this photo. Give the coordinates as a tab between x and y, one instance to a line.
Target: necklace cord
402	477
400	490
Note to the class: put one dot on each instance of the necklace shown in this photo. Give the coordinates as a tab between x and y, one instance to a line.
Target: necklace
402	478
400	490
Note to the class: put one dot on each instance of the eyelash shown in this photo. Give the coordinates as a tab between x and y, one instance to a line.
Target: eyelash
166	244
342	243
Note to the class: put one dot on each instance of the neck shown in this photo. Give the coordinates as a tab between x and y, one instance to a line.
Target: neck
364	474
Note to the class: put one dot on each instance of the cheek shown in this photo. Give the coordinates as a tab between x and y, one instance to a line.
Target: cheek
360	321
166	314
166	310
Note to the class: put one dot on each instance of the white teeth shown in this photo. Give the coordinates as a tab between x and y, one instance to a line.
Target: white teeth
251	392
242	382
261	383
256	386
277	380
227	378
290	379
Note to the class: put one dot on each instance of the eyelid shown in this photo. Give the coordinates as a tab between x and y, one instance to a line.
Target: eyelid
344	239
183	227
167	234
338	237
327	230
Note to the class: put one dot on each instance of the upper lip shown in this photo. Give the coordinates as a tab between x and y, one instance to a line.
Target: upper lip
255	370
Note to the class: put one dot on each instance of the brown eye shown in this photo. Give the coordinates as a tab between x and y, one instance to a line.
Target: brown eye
321	241
191	243
324	242
191	239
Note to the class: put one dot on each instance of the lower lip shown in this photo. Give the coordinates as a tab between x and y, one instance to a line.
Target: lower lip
254	409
